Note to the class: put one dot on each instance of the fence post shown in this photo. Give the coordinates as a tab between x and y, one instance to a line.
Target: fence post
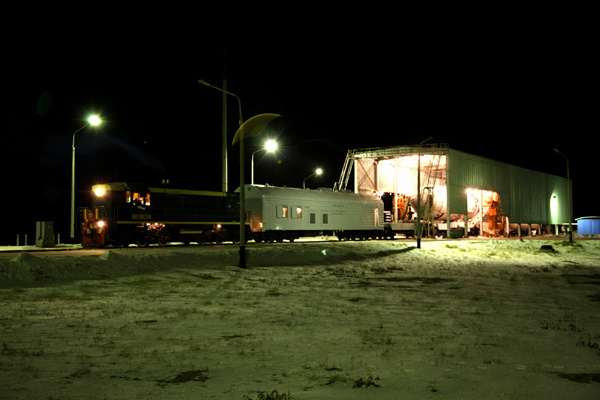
17	240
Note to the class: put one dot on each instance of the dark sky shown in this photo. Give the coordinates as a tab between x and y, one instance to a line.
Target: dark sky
508	89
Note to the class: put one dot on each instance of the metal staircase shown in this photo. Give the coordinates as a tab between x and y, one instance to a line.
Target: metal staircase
428	185
346	171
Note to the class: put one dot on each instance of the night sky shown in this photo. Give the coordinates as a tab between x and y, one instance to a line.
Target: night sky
511	90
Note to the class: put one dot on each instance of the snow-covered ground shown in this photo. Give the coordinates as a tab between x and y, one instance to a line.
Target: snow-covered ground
459	319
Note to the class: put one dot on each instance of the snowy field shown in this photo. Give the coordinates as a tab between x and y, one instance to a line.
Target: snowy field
483	319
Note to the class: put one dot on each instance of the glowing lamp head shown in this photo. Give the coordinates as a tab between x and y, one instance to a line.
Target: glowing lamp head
94	120
319	171
271	145
99	192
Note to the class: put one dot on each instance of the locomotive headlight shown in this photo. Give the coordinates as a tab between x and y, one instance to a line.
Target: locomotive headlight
100	224
99	192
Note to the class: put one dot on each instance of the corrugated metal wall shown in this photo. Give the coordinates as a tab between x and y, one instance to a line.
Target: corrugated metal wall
527	196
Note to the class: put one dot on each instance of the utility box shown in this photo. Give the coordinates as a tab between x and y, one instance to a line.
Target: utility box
44	234
457	233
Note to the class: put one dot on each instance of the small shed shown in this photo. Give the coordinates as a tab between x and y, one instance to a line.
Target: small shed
588	225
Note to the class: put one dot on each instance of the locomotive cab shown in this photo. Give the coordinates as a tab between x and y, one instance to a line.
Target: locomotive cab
123	204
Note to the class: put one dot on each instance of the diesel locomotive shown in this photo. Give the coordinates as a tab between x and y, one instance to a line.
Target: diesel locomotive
130	213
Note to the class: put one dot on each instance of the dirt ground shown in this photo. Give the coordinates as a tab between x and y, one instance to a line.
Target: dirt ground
350	320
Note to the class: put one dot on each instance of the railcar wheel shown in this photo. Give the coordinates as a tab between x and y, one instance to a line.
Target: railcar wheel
142	241
163	240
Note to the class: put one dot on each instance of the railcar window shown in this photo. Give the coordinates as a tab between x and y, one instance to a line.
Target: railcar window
325	218
299	212
313	218
377	217
141	199
282	211
127	196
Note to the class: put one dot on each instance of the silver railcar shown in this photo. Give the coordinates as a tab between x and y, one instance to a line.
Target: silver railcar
280	213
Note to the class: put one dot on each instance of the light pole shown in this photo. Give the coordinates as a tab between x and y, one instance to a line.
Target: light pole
319	171
419	195
242	183
270	145
92	121
568	197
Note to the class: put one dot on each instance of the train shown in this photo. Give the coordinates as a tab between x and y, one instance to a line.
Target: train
123	213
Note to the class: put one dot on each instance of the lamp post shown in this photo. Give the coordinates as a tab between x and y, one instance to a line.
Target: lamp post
319	171
270	145
568	197
419	206
92	121
242	183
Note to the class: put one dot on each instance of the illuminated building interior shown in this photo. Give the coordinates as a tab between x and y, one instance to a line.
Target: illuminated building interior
395	180
485	197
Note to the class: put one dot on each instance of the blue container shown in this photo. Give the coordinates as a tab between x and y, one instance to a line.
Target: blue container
588	225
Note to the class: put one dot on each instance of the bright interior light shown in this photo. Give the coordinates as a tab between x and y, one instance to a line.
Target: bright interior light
271	145
94	120
99	192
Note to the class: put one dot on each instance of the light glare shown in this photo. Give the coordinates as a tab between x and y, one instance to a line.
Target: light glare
271	145
94	120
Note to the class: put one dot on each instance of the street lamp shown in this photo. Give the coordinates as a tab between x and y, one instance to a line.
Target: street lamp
319	171
242	184
92	121
568	197
419	196
270	145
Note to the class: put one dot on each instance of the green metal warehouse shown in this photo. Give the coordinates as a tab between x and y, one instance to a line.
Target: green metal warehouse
460	192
